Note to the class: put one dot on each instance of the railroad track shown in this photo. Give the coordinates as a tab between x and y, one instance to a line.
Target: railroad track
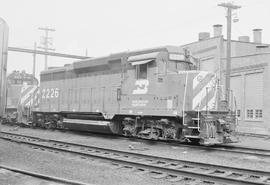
222	148
160	167
259	152
243	150
42	176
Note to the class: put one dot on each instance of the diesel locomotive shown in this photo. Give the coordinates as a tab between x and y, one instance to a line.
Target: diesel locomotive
21	89
155	93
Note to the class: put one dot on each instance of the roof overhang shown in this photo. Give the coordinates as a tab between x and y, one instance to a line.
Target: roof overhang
143	57
141	62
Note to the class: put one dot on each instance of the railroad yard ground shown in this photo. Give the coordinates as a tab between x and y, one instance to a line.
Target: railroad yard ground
8	177
100	172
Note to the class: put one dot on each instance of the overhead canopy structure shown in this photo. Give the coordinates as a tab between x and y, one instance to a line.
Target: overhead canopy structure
46	53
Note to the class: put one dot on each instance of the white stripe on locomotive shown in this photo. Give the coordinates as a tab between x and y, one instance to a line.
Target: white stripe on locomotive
211	85
198	78
25	99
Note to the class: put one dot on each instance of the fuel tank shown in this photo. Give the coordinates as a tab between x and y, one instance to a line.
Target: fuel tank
97	126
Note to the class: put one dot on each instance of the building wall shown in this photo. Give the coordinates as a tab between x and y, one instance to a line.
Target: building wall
250	82
250	78
240	48
209	53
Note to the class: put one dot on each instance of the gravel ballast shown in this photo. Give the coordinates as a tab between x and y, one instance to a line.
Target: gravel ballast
69	166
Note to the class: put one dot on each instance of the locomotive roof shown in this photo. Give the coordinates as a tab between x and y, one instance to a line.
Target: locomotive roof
105	60
170	49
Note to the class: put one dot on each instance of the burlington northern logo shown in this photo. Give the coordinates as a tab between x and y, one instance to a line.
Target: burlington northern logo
141	87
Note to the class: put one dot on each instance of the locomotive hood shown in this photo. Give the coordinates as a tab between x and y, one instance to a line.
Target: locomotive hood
201	90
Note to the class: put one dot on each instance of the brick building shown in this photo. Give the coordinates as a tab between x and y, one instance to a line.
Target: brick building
250	75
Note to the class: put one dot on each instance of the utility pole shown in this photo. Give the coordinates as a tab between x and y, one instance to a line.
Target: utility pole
46	42
229	7
34	59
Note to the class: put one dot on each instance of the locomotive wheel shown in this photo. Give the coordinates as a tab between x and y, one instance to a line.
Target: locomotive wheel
33	124
195	141
47	125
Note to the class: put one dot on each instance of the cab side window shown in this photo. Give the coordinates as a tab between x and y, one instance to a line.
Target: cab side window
141	71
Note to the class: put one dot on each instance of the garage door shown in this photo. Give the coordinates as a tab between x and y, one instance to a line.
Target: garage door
237	88
254	95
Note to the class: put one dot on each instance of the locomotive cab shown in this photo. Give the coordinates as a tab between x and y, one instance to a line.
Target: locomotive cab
155	84
169	85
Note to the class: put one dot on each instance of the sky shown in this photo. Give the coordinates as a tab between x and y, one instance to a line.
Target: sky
103	27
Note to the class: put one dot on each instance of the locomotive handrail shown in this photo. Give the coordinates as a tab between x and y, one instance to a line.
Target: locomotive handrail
184	99
199	114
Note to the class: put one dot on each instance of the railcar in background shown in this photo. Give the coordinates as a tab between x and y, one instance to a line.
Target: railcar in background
21	88
154	93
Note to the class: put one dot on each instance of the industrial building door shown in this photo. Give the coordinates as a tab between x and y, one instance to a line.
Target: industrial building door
237	89
254	96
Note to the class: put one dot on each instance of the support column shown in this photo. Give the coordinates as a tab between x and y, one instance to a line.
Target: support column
4	30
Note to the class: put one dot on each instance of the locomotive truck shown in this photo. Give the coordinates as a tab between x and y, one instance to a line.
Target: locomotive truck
154	93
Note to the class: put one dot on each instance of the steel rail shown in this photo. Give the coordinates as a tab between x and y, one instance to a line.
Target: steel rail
166	165
221	147
244	150
138	154
42	176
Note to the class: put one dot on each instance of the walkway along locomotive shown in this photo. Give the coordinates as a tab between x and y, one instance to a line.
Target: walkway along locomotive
154	93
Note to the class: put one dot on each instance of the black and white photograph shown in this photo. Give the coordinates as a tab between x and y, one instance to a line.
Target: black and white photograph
134	92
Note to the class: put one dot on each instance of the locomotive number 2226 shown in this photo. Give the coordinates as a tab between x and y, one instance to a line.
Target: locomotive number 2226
50	93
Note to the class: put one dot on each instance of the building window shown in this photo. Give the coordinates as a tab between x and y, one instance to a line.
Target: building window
238	113
249	113
258	113
141	71
254	114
